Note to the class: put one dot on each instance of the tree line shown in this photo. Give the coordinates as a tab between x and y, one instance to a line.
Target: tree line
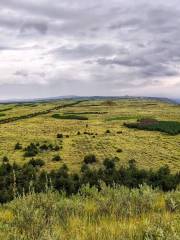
17	180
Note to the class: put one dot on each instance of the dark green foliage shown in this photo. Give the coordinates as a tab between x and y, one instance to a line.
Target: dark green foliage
91	158
109	163
81	113
78	133
56	158
119	132
59	135
18	146
29	176
169	127
5	159
70	117
2	115
119	150
45	147
31	150
56	148
108	131
36	162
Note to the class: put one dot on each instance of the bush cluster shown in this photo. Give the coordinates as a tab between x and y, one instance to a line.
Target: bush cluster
33	149
15	179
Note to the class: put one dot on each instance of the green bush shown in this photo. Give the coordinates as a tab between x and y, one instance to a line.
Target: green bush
31	150
56	158
18	146
59	135
91	158
36	162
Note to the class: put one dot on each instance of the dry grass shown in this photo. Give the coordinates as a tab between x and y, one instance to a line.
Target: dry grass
149	149
112	214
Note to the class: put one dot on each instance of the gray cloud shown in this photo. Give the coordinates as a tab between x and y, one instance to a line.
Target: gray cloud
40	27
92	48
83	51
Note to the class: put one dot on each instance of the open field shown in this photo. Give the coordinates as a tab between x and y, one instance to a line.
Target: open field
149	149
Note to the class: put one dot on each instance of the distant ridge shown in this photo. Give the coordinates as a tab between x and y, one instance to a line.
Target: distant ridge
167	100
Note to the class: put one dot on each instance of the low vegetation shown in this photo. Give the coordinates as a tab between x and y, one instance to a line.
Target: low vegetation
73	179
70	117
17	180
170	127
112	213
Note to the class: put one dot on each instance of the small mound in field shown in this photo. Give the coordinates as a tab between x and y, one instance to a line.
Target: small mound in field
169	127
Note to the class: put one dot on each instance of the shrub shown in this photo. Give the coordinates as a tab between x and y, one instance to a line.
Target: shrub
59	135
109	163
119	150
56	148
31	150
56	158
44	147
91	158
18	146
5	159
119	132
78	133
36	163
108	131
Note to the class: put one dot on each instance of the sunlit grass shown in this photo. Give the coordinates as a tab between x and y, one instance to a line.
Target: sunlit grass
149	149
113	213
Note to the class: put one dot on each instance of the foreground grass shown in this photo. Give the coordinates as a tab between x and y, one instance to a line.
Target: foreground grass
112	214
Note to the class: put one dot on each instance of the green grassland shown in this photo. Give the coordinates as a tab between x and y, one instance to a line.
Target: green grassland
151	149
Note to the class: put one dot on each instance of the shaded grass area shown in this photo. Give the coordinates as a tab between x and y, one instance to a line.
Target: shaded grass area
2	114
170	127
70	117
88	113
112	214
125	117
5	109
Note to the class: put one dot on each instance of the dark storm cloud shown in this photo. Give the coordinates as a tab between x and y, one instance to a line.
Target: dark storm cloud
88	46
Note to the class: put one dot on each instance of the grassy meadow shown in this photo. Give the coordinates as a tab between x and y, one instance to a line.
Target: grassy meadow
150	149
72	132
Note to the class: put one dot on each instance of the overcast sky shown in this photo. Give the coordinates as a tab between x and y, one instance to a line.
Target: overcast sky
98	47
